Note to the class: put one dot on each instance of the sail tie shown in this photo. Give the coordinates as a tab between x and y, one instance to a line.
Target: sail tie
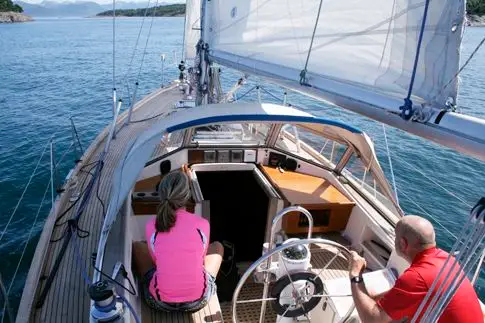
303	78
407	108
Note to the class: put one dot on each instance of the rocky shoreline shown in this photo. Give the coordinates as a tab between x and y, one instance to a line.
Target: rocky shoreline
10	17
475	21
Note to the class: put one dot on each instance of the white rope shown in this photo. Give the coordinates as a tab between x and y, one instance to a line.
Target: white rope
461	68
25	190
114	45
428	214
146	43
436	183
27	242
390	164
125	77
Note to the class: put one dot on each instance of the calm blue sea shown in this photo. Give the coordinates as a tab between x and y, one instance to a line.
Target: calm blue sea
53	69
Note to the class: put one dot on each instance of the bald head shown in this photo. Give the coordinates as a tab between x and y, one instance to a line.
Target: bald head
418	232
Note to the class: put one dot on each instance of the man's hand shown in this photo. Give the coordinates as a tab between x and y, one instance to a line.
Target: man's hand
357	264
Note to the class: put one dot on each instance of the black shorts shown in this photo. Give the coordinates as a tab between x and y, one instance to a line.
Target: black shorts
192	306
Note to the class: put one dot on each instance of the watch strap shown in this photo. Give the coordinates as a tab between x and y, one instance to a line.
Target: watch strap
356	279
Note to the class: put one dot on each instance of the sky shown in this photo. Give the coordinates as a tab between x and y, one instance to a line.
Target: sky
102	1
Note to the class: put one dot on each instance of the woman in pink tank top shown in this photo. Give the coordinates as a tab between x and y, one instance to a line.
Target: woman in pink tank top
177	263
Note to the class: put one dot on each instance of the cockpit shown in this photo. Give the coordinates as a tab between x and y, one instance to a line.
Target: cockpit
245	174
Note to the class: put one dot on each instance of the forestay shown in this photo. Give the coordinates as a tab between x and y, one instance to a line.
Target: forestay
370	44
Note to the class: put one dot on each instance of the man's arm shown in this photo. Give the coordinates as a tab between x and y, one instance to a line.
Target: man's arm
369	311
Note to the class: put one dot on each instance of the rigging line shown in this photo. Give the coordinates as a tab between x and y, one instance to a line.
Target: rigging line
114	45
125	77
146	43
247	92
461	68
23	193
428	214
9	309
150	118
80	261
418	49
390	163
12	280
271	94
303	72
435	182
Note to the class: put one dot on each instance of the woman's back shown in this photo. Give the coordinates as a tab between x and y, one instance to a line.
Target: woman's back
179	258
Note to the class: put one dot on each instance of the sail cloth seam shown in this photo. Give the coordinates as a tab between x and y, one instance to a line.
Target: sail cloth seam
303	79
407	108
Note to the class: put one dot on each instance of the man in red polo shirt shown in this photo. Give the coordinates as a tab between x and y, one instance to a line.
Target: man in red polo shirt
415	242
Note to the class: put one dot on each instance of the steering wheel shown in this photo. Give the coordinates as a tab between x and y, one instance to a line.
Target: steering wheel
300	299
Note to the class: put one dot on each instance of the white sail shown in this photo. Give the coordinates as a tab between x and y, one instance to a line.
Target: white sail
192	28
367	43
362	58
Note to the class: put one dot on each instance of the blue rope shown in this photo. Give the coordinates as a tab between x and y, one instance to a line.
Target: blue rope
130	307
80	260
407	108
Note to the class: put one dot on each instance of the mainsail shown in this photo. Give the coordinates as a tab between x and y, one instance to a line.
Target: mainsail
389	60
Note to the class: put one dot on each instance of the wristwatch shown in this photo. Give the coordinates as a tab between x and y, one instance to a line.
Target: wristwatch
356	279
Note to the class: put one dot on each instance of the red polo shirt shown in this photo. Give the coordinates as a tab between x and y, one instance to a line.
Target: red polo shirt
411	287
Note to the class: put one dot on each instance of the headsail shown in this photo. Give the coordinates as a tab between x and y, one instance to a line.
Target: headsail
364	55
192	28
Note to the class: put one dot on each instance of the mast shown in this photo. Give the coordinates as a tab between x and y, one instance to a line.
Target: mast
202	48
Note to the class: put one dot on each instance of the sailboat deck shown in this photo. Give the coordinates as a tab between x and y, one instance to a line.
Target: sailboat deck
67	300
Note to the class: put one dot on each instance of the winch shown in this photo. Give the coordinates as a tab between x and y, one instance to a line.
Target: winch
105	307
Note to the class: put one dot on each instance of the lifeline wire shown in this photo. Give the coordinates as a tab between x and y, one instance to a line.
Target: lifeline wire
12	280
23	193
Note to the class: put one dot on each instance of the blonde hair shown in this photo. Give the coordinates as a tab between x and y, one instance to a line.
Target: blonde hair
174	193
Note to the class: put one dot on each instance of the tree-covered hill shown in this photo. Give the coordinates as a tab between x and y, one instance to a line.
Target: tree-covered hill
8	5
172	10
476	7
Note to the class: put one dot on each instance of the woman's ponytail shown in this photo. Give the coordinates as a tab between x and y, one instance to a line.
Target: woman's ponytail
174	193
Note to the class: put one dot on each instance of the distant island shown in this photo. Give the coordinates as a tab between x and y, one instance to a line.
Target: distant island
78	8
172	10
10	12
476	12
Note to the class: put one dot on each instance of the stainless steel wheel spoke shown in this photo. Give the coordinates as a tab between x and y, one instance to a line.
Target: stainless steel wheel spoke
283	314
255	300
329	263
289	277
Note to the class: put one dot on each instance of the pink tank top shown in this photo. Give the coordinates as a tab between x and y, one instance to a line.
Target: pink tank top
179	258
